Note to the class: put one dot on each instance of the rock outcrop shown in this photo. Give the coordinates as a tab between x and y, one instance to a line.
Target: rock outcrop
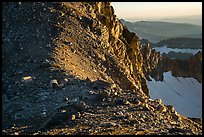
151	59
179	68
155	64
124	45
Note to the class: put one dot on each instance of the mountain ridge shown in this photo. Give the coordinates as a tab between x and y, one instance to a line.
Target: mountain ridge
83	73
156	31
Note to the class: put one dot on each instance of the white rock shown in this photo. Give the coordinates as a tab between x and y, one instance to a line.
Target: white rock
53	83
27	79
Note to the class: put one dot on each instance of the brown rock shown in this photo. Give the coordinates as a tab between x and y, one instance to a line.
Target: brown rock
27	79
197	120
175	117
159	101
148	107
161	108
78	114
171	108
73	117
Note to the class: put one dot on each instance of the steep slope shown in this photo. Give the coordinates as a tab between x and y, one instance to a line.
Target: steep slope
176	82
185	94
75	69
116	44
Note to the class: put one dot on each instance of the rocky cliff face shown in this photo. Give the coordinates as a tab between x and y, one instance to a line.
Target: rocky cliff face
180	68
185	68
73	61
122	47
154	64
151	59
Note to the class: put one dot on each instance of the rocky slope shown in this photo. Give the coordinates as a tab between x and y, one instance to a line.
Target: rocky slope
73	68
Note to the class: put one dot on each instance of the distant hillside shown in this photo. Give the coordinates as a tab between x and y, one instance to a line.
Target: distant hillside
157	31
195	19
182	43
179	48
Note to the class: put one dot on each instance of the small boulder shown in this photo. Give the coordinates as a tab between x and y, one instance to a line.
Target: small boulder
66	99
159	101
78	114
171	108
27	79
161	108
73	117
54	84
80	106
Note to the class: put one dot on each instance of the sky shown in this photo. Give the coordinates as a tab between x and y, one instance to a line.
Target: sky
156	10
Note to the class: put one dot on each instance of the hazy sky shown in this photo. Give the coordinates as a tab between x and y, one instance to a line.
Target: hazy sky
152	10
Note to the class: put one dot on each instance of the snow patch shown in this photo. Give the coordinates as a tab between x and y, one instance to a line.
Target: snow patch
166	50
185	94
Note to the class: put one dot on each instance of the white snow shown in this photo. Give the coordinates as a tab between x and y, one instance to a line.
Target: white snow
185	94
166	50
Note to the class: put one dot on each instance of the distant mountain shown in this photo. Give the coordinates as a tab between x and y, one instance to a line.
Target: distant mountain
157	31
195	19
179	48
181	43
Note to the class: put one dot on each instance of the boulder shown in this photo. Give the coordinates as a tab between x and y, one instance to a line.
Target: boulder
73	117
161	108
80	106
171	108
159	101
27	79
54	84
